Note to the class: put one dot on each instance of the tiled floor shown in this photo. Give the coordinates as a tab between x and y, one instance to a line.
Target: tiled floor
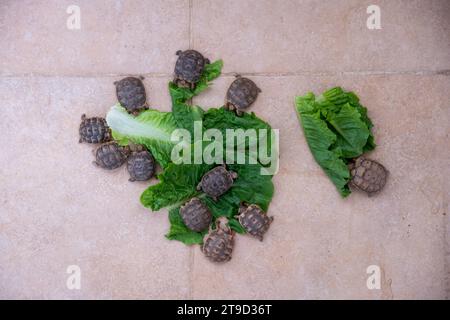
57	210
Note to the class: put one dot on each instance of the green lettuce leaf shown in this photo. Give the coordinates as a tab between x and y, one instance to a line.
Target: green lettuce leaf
337	129
178	182
151	128
250	187
184	114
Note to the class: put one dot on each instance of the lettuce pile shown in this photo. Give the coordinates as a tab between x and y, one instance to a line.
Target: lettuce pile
177	182
337	129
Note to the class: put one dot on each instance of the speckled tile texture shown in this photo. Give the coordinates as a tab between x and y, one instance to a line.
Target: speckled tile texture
57	209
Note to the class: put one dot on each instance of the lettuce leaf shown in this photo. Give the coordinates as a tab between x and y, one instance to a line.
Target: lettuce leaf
178	182
250	187
337	129
151	128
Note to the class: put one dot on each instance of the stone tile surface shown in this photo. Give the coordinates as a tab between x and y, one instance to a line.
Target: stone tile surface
57	209
323	36
320	245
125	37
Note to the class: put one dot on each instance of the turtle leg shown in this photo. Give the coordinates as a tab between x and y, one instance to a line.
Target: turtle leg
95	163
239	113
178	52
80	140
270	219
135	112
259	90
199	186
141	77
83	116
234	175
238	75
192	86
132	179
260	237
207	61
242	207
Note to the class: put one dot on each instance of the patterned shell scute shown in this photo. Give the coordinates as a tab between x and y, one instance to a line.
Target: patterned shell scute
196	215
111	155
218	244
131	93
216	182
242	93
141	166
255	221
94	130
368	175
189	66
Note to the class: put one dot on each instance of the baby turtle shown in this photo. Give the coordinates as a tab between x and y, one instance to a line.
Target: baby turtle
241	94
94	130
218	243
368	175
196	215
111	156
140	165
189	68
217	181
254	220
131	94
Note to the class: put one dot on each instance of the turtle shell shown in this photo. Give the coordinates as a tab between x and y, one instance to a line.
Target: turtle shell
141	166
189	67
254	220
218	243
242	93
94	130
368	175
131	94
196	215
217	181
110	155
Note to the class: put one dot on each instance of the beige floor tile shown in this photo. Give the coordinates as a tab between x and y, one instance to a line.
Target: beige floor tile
116	37
59	210
320	245
323	36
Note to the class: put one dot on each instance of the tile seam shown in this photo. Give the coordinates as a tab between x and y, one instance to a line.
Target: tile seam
232	74
191	249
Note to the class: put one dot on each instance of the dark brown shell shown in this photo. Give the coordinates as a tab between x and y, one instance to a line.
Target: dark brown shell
94	130
141	166
131	94
368	175
218	243
254	220
110	155
196	215
189	67
242	93
217	181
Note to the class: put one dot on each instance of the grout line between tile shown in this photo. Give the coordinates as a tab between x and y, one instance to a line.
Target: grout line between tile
191	249
191	40
232	74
